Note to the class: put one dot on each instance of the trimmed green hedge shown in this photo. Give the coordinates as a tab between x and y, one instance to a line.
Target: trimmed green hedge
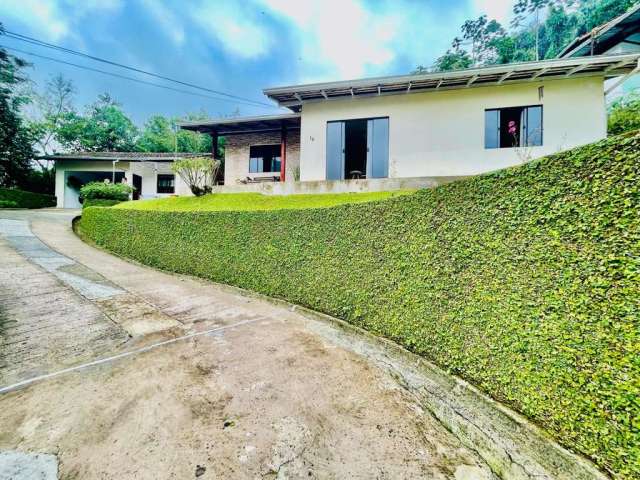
22	199
525	281
99	202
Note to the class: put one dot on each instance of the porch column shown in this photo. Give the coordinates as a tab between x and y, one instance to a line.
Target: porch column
283	153
214	145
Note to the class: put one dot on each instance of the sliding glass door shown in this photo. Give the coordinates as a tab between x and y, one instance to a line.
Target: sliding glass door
358	149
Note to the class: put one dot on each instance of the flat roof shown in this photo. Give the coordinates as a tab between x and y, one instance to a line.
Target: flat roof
124	156
609	66
605	36
260	123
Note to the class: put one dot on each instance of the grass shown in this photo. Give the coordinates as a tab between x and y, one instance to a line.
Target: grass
225	202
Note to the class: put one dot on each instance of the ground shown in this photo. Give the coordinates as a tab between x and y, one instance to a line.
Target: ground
256	201
192	379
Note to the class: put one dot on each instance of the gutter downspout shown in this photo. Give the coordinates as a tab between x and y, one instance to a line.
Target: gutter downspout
113	170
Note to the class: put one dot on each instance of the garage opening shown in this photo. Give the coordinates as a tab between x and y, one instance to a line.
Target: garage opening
74	181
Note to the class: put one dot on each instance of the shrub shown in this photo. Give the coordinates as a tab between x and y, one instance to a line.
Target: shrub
624	114
99	202
105	191
525	282
8	204
198	173
14	198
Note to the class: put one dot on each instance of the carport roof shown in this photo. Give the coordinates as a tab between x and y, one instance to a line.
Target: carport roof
234	125
124	156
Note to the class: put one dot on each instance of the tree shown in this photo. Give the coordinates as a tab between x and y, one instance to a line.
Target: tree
103	127
481	33
15	139
161	134
624	114
54	105
452	60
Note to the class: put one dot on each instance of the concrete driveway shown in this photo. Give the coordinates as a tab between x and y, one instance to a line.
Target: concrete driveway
260	395
111	370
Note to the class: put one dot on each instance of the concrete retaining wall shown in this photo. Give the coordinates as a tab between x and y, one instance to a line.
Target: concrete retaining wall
337	186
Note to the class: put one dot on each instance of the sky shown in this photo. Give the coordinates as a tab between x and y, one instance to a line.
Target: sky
238	47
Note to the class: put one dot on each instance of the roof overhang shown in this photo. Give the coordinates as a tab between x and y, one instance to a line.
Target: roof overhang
608	66
230	126
605	36
123	156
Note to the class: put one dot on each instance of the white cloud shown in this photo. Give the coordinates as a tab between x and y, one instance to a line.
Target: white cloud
52	19
235	27
339	38
166	20
500	10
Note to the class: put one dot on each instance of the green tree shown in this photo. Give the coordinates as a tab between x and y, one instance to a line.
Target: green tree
624	114
15	138
103	127
161	134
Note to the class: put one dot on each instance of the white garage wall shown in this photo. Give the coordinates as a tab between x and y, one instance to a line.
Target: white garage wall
442	133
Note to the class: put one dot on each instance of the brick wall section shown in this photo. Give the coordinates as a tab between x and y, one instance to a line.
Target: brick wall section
236	164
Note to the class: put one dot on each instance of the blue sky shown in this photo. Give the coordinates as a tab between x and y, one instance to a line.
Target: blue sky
238	47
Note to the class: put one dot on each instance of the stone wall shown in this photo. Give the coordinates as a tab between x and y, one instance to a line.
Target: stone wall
236	154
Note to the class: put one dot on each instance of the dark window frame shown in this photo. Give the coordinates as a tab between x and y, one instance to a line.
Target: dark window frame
527	136
275	159
166	188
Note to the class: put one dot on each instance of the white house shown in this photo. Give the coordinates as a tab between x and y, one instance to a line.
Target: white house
417	130
149	173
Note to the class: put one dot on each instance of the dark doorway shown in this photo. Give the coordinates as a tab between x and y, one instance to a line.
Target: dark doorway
137	186
355	148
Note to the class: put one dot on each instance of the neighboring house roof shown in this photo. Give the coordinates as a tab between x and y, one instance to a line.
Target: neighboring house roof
606	36
612	65
124	156
262	123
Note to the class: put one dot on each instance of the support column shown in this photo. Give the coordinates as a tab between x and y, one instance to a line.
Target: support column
214	145
283	153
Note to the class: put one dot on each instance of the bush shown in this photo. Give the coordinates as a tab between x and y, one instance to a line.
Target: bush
99	202
14	198
199	173
525	282
105	191
624	114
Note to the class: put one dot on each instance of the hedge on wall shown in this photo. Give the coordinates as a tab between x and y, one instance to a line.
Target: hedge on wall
14	198
99	202
525	281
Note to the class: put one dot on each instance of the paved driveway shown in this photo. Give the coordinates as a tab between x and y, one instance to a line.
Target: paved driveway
193	380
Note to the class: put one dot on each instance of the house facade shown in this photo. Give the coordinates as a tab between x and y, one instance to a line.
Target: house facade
149	173
430	128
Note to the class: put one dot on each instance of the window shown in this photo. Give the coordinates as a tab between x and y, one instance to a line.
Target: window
264	159
166	183
513	127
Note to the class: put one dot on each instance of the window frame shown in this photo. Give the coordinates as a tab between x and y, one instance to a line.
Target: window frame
172	188
526	136
274	162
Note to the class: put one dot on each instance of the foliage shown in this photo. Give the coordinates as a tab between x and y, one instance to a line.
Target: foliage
199	173
524	281
106	191
540	30
624	114
8	204
22	199
15	138
221	202
103	127
159	135
99	202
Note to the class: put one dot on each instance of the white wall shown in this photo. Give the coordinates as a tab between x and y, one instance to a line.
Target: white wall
442	133
147	170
